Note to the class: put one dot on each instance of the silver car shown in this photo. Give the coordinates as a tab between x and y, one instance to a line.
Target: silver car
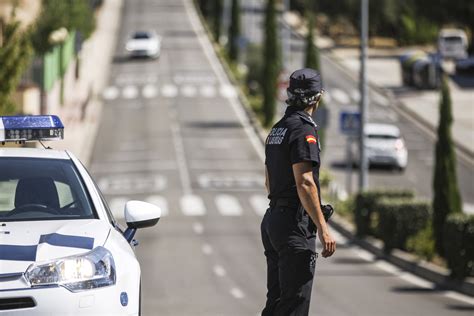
144	44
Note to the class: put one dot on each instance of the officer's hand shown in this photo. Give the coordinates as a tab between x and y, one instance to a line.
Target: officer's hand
328	243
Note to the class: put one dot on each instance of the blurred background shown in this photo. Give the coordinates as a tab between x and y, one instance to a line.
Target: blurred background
170	102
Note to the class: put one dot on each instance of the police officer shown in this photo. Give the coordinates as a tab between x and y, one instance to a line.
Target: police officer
295	214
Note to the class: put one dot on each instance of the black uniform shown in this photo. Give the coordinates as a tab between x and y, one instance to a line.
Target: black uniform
288	234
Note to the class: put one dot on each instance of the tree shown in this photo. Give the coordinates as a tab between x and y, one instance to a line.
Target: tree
15	54
234	31
217	19
73	15
312	53
271	68
447	199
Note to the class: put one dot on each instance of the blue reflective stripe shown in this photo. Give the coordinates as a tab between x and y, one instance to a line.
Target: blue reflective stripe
67	241
18	253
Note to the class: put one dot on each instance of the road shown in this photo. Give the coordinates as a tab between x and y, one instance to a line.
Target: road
173	133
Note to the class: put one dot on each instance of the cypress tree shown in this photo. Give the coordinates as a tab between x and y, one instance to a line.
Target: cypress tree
446	199
271	68
216	25
234	31
15	54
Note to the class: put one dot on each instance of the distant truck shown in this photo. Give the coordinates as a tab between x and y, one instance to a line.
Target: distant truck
452	43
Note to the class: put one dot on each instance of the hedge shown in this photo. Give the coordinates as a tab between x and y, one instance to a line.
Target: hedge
400	219
365	207
459	245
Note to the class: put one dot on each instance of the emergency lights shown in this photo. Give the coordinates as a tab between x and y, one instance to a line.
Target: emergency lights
30	128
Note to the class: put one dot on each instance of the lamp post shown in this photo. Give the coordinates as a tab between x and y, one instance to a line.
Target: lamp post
364	100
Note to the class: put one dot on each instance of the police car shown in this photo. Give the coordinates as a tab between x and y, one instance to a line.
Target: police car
61	251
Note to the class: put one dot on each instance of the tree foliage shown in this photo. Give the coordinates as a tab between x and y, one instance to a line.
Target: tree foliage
217	19
447	199
312	53
15	55
272	66
234	31
73	15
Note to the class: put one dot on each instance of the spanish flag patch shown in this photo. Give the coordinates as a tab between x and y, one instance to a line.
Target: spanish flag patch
311	139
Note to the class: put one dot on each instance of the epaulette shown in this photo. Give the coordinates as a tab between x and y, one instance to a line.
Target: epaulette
307	119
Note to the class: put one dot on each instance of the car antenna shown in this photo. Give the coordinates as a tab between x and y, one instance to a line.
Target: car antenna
44	145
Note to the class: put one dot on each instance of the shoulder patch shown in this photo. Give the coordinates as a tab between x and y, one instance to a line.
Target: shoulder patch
311	139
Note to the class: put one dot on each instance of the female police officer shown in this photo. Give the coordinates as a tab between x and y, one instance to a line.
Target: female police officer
289	226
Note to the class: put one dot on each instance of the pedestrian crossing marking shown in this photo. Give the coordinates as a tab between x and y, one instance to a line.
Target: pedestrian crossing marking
149	91
130	92
188	91
169	91
111	93
340	96
207	91
192	205
159	201
355	95
228	205
259	204
228	91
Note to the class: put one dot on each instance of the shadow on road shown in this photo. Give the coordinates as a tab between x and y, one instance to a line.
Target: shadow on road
461	308
415	289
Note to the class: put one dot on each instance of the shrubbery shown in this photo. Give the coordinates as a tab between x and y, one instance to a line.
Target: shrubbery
400	219
365	207
422	244
459	245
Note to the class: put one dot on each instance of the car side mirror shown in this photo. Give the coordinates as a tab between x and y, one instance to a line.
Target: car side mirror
140	214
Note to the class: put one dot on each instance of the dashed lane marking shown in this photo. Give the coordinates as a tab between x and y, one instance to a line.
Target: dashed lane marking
169	91
160	202
207	249
198	228
149	91
228	205
192	205
340	96
237	293
219	270
130	92
259	204
111	93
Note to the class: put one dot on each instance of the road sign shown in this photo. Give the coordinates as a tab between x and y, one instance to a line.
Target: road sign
350	122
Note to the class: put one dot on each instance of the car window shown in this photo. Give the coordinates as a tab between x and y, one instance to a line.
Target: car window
141	35
42	189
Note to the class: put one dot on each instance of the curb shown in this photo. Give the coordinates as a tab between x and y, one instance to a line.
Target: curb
405	261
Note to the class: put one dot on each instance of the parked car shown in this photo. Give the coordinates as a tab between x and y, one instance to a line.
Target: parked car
465	66
61	250
144	44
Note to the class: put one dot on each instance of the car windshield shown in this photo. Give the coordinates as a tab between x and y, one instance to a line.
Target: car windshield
452	39
42	189
141	35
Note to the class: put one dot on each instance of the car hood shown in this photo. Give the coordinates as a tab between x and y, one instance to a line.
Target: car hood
22	243
142	44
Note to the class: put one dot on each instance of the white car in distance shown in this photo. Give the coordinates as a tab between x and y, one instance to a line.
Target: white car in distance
61	250
144	44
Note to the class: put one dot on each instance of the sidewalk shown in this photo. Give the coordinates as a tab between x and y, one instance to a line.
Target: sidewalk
384	71
81	119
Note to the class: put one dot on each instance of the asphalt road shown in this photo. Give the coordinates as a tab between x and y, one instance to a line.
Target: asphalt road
173	133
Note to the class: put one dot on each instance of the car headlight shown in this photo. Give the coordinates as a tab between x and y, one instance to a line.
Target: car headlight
89	270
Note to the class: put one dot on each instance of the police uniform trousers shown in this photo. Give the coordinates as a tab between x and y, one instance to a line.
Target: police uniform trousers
289	240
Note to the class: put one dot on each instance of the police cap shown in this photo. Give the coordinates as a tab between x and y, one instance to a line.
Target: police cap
305	82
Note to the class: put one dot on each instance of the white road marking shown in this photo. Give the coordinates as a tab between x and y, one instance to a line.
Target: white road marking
259	204
188	91
228	205
136	78
132	184
219	271
130	92
169	91
198	228
192	205
340	96
117	206
159	201
228	91
459	297
111	93
237	293
355	95
380	99
180	156
207	249
208	91
149	91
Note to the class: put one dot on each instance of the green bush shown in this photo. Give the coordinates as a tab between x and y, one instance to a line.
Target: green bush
400	219
422	244
459	245
365	207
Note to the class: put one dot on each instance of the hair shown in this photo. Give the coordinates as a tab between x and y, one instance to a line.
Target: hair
303	101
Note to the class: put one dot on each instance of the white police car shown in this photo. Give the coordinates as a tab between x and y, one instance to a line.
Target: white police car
61	251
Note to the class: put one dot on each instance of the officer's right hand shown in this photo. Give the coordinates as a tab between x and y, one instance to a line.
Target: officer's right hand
328	243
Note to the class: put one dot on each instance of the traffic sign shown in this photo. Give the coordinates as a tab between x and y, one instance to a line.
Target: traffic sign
350	122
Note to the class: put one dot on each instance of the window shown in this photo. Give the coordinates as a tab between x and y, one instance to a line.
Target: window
42	189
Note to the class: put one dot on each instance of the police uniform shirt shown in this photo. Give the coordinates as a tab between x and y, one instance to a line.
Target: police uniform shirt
292	140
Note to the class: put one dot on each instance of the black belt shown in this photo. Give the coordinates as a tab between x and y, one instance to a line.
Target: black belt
285	202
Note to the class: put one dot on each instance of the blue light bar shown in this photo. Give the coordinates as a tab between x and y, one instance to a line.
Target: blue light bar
30	128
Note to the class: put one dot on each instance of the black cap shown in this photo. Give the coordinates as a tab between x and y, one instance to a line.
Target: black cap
305	81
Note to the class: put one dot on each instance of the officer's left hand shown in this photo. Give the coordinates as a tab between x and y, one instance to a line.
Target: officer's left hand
328	243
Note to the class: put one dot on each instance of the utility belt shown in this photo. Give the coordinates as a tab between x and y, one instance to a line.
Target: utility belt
327	209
